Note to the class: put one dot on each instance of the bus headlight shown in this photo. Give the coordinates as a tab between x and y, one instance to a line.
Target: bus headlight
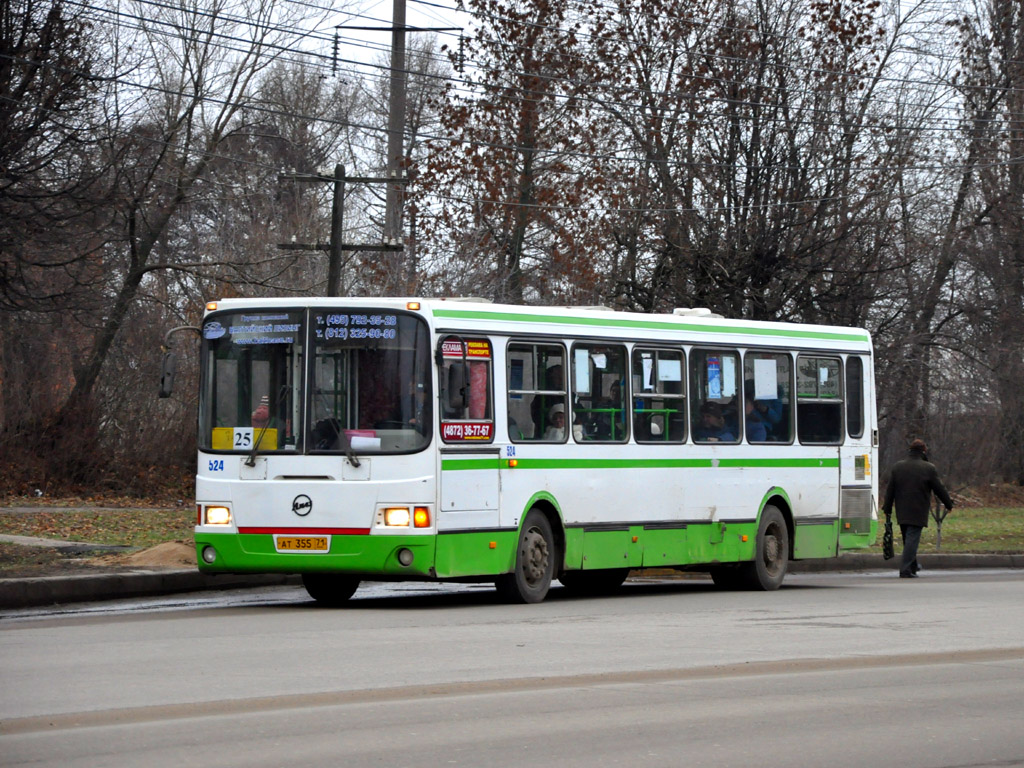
396	517
409	516
218	515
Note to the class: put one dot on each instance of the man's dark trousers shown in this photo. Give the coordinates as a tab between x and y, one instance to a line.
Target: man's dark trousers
911	540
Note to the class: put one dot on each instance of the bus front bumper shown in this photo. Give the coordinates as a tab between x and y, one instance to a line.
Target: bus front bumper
362	554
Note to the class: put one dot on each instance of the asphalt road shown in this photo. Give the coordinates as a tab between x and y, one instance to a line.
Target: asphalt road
833	669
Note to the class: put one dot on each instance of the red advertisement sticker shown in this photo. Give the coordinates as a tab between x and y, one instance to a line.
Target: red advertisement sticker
466	430
475	349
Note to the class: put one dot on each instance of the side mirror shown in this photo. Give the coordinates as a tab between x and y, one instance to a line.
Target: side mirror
167	370
456	390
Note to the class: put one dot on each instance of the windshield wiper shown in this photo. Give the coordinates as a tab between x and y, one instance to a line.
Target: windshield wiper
251	460
340	434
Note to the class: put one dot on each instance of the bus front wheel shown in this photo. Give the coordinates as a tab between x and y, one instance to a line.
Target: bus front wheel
330	589
535	562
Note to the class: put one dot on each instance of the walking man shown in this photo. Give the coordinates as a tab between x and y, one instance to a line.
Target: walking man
911	484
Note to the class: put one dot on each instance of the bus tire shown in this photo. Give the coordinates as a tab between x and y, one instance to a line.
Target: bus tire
771	553
330	589
530	580
599	582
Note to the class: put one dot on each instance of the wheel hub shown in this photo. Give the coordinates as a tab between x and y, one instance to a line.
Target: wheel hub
535	557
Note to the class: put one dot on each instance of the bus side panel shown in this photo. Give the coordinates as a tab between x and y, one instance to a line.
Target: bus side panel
666	546
479	553
613	549
720	542
812	538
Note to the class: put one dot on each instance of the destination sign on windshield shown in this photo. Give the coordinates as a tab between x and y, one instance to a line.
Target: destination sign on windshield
340	326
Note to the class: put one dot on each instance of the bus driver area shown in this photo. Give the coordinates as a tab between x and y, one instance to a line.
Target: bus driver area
352	439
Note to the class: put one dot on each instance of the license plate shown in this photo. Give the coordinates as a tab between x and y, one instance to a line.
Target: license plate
302	543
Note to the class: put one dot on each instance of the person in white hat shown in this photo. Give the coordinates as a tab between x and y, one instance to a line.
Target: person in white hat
556	423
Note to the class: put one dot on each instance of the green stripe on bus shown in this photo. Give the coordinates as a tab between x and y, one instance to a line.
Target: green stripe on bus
662	325
806	463
457	464
666	463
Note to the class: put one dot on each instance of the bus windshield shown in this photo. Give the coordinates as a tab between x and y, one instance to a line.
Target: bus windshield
371	388
364	389
250	393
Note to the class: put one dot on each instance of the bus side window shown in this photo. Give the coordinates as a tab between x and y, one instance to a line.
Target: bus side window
819	410
715	397
600	393
537	407
767	388
659	397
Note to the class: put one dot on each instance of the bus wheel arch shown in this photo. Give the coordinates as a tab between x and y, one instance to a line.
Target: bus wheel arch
547	507
773	548
781	503
536	562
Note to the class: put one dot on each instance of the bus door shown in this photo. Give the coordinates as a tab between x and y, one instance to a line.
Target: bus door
469	498
857	502
820	431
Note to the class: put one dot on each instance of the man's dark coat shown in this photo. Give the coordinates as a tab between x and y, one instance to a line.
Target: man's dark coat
911	483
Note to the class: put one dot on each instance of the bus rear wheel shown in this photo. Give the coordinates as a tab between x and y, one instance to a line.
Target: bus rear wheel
530	581
600	582
330	589
771	554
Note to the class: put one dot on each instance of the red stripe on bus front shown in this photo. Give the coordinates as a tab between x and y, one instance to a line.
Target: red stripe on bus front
307	531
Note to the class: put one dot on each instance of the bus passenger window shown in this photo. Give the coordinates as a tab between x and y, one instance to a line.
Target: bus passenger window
537	406
599	393
659	396
819	409
714	396
768	404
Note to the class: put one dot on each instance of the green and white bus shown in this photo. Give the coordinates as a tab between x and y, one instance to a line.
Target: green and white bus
454	440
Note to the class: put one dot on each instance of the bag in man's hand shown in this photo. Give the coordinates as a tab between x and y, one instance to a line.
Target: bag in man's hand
887	550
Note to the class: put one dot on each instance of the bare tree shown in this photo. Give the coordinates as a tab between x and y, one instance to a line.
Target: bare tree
507	176
200	67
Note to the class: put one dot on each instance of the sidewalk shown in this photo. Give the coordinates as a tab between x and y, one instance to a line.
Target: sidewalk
146	582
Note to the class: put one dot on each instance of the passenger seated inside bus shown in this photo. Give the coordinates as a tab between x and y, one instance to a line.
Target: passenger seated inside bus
609	423
757	431
556	424
771	412
712	428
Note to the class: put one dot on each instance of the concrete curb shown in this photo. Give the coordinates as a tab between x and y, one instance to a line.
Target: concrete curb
51	590
928	562
54	590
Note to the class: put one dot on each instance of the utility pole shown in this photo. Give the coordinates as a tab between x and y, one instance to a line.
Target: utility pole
395	169
337	225
396	127
336	248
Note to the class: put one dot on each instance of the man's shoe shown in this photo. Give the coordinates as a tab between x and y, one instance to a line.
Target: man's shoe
908	575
